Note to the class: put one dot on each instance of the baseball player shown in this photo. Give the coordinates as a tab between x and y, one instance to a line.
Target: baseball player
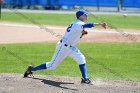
66	47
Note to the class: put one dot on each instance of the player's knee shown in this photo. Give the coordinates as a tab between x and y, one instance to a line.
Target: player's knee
82	60
53	67
50	66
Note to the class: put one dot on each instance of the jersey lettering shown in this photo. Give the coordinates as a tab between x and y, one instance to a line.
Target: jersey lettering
69	28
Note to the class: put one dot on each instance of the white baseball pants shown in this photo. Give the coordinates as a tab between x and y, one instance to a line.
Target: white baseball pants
62	52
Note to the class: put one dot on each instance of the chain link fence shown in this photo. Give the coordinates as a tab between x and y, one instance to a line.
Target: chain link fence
94	5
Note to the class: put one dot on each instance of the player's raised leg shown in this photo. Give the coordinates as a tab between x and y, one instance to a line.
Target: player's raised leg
60	53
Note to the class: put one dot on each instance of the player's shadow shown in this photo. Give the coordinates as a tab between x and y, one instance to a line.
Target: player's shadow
55	83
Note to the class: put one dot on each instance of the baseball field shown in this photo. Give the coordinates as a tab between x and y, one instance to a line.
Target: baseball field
112	54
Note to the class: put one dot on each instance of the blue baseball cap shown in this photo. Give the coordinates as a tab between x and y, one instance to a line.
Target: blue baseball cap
80	13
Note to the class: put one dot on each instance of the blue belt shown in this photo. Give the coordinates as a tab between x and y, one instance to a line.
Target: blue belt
65	44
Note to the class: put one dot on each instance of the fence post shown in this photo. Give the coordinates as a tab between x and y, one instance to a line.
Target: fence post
98	5
0	8
119	5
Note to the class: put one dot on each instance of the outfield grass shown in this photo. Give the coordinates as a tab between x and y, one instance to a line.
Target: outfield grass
117	21
108	61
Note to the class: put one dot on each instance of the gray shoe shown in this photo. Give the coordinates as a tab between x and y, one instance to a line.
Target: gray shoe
87	81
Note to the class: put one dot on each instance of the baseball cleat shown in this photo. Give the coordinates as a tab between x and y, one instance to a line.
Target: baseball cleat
28	71
87	81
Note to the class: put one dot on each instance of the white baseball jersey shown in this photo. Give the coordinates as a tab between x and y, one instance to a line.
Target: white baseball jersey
73	33
70	38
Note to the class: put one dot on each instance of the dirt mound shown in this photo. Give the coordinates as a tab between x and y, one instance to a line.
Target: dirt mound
15	83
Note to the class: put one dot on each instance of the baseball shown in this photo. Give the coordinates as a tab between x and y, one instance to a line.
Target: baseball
125	15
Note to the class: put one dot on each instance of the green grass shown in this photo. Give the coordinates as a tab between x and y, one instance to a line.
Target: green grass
118	21
104	60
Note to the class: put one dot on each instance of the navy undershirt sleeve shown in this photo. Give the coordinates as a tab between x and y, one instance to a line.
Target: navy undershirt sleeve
88	25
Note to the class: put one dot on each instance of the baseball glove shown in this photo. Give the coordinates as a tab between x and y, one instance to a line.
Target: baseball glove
84	32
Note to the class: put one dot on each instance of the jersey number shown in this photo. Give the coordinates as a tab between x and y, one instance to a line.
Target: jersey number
69	28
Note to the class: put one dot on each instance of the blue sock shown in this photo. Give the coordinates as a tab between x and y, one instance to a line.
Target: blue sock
39	67
83	71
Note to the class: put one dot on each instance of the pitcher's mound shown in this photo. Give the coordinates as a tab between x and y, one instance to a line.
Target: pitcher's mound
15	83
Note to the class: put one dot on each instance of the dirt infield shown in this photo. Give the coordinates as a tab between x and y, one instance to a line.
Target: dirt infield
14	83
23	33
